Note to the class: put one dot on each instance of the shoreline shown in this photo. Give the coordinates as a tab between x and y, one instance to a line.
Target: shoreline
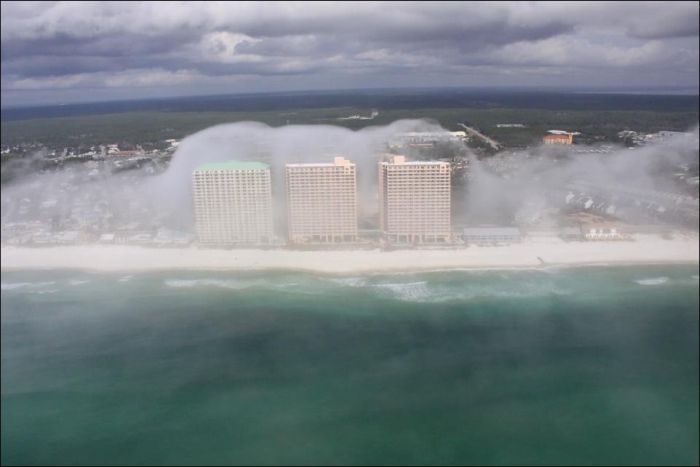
120	258
375	272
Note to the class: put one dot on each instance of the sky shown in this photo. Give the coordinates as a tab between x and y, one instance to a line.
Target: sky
66	52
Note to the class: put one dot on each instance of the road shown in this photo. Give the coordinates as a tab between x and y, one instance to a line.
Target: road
491	142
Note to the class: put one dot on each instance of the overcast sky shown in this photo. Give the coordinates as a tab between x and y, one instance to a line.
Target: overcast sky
61	52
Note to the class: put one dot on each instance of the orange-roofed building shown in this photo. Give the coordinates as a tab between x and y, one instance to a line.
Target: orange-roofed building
559	139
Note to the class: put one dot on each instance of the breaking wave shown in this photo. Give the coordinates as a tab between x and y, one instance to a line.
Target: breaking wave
226	284
428	292
350	281
652	281
21	285
409	291
232	284
78	282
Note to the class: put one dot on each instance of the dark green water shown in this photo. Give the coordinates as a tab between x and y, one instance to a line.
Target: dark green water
572	366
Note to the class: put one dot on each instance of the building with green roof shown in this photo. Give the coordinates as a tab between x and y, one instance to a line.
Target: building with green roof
233	203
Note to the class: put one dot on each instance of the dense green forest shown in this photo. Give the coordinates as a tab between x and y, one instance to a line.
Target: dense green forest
153	126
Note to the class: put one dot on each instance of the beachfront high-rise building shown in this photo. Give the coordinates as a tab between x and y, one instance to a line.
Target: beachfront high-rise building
414	201
322	202
233	203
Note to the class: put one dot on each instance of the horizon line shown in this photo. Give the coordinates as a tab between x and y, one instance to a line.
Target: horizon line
634	90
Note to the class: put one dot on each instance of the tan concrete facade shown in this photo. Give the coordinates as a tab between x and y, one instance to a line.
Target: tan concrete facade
414	201
233	203
322	202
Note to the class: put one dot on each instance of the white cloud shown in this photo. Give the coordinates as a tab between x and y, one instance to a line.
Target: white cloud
220	46
580	52
127	78
53	82
150	78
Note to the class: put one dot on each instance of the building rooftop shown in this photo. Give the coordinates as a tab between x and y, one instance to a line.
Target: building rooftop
418	163
233	165
401	160
337	161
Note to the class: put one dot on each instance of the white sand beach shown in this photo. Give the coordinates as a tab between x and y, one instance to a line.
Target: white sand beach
644	249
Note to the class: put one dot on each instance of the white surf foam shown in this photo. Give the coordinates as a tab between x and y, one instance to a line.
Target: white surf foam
497	291
226	284
652	281
426	292
350	281
408	291
235	284
47	291
20	285
78	282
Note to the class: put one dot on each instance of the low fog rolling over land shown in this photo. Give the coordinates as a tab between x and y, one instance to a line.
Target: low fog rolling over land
282	145
350	233
650	183
534	187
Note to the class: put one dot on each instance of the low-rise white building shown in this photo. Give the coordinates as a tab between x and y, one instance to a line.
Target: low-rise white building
603	232
491	234
107	238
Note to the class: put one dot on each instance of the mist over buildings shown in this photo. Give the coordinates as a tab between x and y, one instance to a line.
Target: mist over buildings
280	146
526	188
523	185
494	189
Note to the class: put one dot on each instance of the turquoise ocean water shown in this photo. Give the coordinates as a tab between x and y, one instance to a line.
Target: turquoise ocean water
595	365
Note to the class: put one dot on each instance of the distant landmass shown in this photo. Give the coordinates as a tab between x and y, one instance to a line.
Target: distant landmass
382	99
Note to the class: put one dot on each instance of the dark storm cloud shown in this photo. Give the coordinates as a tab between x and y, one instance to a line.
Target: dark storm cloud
687	29
676	21
56	65
310	36
67	44
107	46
